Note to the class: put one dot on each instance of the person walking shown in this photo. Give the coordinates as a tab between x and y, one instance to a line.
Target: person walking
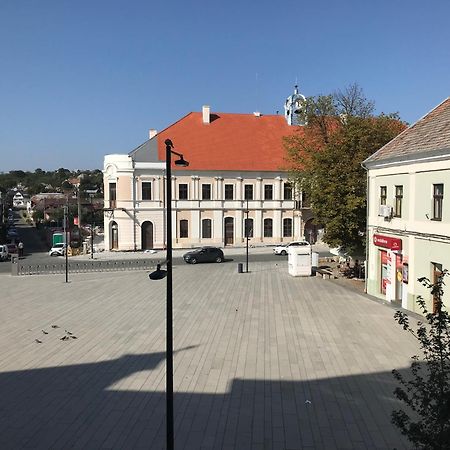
20	247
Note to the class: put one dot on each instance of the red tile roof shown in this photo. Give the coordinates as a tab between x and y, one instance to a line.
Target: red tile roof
229	141
430	133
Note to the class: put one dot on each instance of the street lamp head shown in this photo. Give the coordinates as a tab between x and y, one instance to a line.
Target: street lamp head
181	162
158	274
168	143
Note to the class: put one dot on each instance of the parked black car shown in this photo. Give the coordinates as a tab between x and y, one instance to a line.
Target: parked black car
204	254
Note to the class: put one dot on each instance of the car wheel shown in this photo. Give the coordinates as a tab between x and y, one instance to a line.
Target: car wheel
53	254
193	261
283	252
219	259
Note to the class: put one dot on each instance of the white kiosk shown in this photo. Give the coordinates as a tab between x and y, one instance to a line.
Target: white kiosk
300	261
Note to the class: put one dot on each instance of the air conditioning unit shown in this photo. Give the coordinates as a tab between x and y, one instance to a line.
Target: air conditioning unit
385	211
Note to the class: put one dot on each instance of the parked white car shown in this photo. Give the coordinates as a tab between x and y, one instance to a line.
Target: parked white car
283	248
58	249
4	254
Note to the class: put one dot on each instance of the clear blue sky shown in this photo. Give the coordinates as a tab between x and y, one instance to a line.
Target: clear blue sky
81	79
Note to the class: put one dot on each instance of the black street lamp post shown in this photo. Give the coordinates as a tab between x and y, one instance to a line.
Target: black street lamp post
157	275
247	232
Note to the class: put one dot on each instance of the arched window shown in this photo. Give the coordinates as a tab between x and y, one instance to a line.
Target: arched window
248	228
147	235
184	228
268	228
114	236
287	227
206	229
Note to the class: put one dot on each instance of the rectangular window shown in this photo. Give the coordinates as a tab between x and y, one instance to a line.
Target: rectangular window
287	227
206	229
383	195
206	192
438	198
112	195
268	229
287	191
184	229
398	201
305	200
146	190
182	191
248	192
248	228
268	192
229	192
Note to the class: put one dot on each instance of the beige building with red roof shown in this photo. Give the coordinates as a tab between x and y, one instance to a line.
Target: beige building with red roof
409	211
236	164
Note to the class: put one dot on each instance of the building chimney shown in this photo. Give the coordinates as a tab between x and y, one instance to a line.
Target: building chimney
152	133
206	114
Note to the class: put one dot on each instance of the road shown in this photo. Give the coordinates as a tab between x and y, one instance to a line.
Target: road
36	251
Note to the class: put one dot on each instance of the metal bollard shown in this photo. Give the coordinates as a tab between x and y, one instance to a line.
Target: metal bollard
240	268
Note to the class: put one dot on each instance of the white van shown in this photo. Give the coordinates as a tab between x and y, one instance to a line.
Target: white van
3	252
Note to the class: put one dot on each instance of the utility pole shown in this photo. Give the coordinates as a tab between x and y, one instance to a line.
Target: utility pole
79	206
91	193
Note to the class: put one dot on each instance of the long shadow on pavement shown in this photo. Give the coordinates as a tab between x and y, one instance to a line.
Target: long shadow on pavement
78	406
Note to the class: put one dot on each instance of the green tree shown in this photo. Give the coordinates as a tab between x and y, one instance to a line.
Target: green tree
426	390
325	158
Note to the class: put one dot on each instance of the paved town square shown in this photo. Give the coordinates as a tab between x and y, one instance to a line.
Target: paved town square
262	361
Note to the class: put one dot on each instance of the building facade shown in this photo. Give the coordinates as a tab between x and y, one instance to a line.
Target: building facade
235	183
409	212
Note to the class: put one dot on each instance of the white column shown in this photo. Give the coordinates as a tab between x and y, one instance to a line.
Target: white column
277	225
259	190
297	227
239	189
192	188
278	191
197	188
258	226
157	187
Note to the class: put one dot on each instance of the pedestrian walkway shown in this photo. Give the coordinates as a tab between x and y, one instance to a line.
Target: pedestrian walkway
262	361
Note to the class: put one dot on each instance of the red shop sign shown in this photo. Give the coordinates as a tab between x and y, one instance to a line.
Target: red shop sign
387	242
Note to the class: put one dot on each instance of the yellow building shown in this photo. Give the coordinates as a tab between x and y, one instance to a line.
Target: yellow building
409	211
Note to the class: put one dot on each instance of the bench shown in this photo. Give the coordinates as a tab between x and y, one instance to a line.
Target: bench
326	273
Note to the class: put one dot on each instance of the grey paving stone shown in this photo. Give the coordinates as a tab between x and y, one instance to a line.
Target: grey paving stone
262	360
